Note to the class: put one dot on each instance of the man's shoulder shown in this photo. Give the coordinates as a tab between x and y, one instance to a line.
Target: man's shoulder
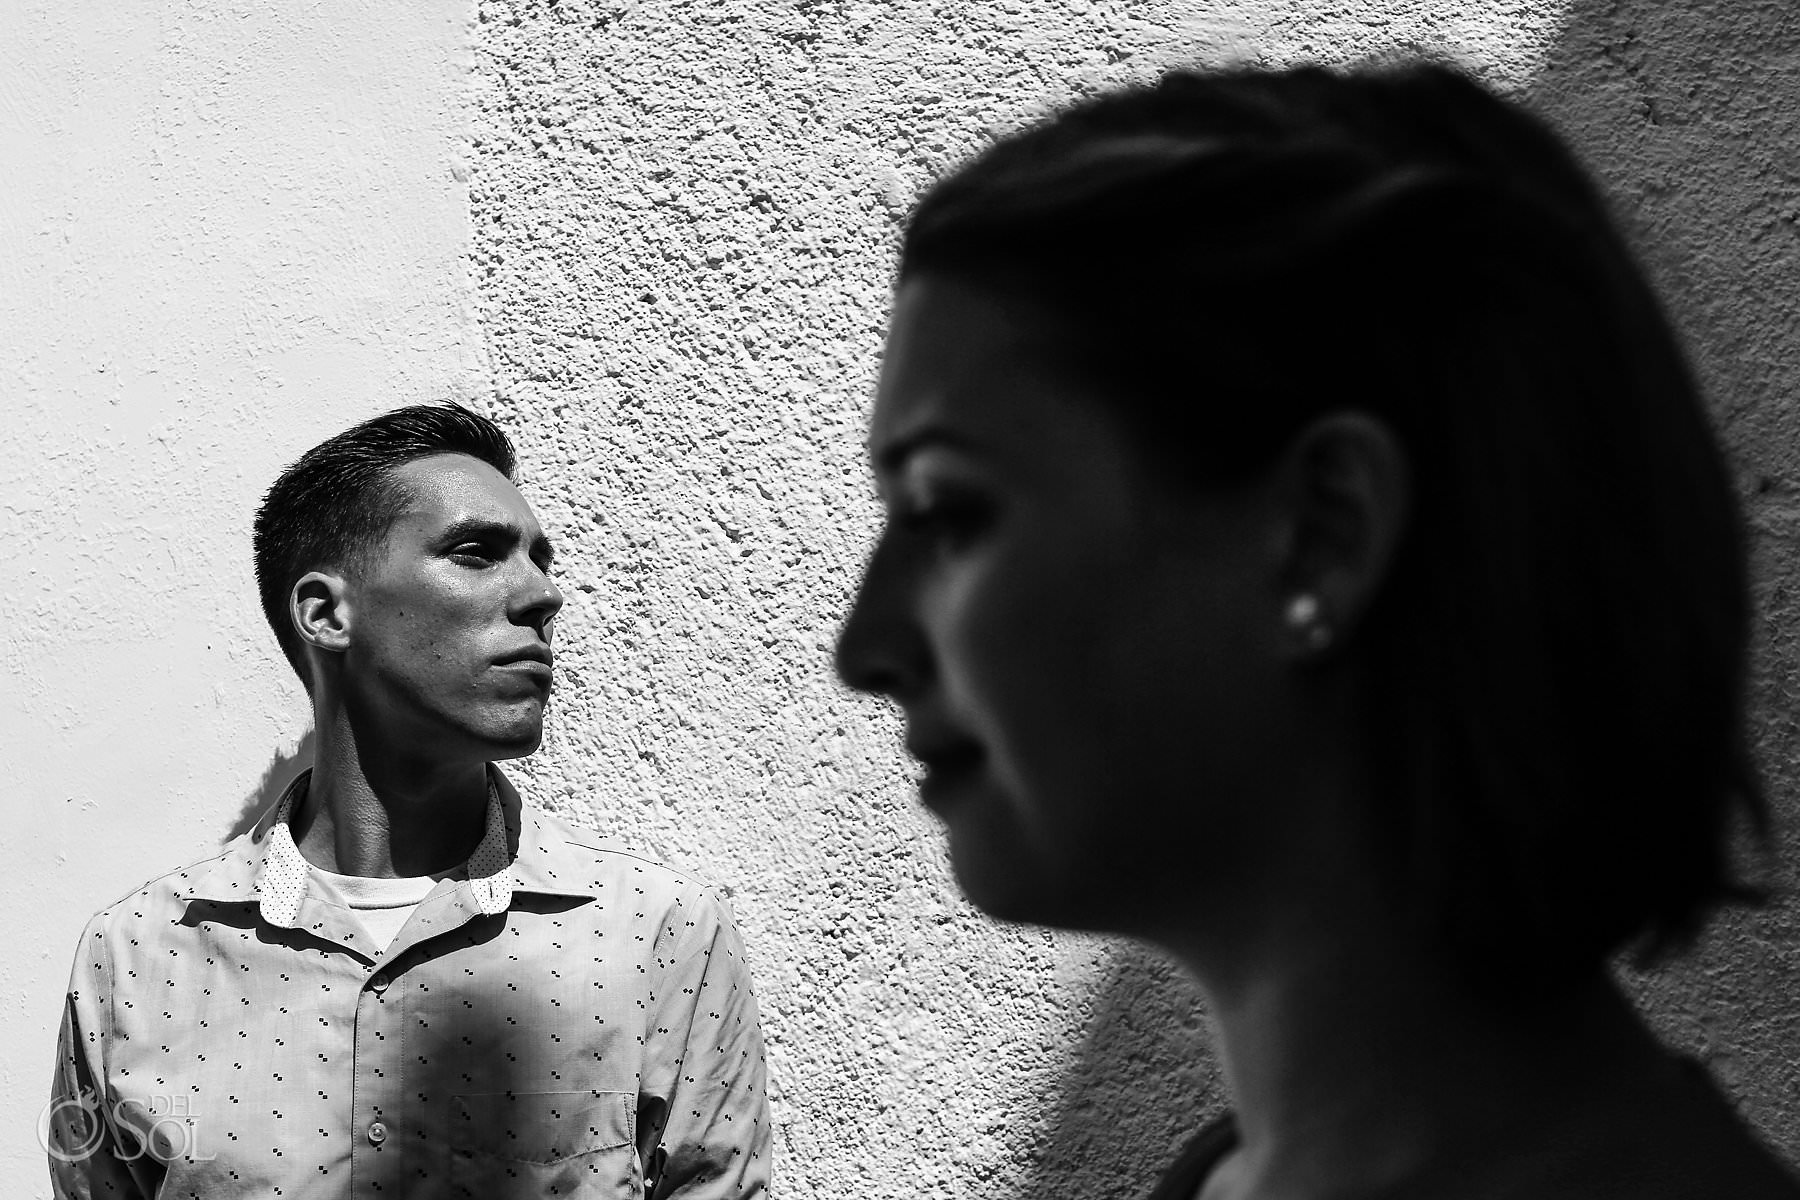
600	862
159	902
179	884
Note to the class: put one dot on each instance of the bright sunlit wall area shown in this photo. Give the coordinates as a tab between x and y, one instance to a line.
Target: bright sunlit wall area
654	240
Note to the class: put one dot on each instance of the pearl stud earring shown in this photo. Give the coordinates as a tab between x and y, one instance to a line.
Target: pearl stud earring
1305	616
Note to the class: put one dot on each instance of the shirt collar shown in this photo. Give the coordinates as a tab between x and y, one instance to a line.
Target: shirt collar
282	881
516	853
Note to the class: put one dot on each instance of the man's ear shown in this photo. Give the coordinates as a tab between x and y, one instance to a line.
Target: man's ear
1346	487
319	606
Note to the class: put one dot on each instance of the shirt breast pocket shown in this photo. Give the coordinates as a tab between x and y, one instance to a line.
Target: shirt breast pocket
505	1144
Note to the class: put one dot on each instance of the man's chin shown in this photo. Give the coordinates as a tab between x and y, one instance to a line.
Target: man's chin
512	735
519	749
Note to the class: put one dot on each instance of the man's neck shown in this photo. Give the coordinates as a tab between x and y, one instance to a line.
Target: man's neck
384	815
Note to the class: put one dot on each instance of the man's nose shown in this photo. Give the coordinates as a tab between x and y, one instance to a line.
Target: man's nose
539	600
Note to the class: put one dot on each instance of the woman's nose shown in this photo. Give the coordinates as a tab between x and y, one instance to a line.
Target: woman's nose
880	648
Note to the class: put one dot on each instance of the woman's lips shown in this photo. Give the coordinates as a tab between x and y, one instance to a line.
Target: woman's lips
947	770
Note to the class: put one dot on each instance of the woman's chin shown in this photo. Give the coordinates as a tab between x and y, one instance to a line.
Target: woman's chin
1004	886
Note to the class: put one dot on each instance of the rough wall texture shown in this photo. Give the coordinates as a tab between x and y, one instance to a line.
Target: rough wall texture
227	229
230	228
685	216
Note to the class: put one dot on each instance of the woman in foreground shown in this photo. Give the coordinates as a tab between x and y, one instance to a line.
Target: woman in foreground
1307	552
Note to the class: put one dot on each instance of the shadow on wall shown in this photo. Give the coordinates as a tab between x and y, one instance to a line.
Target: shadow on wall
1136	1089
283	766
1687	113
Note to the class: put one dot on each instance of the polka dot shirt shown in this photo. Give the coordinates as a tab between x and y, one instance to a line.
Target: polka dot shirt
570	1019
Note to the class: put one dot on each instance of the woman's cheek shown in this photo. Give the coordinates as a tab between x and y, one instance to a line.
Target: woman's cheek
976	615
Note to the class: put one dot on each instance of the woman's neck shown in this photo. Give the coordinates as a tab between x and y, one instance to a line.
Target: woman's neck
1363	1067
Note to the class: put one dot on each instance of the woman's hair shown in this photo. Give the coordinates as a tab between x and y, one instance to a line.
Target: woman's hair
1555	667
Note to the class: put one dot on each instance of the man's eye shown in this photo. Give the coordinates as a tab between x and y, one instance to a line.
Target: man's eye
472	553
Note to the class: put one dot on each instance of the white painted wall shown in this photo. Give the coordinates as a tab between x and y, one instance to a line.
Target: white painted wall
227	229
654	237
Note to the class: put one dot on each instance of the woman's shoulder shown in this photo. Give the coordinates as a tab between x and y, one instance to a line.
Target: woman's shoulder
1682	1141
1701	1147
1692	1145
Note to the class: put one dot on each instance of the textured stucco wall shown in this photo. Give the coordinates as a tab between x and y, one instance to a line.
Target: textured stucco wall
654	238
227	229
684	221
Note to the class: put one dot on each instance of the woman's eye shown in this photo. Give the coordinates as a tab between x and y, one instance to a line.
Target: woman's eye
944	523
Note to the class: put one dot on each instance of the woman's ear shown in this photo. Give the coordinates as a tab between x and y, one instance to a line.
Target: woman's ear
1346	487
319	607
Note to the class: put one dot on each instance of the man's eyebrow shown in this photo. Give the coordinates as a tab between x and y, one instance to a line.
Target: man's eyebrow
888	458
475	529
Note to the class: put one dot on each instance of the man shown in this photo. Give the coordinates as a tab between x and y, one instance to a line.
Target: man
400	982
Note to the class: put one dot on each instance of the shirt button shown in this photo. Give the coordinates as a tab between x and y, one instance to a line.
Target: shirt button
377	1133
379	983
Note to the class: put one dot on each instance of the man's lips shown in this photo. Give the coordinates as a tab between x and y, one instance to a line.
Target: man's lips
527	654
532	661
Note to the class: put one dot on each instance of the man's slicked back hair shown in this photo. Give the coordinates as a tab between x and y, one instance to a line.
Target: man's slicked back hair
332	508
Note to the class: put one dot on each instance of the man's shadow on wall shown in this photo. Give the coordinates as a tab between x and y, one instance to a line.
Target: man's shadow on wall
283	766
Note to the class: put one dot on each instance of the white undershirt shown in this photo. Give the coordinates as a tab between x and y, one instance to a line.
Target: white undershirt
383	905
